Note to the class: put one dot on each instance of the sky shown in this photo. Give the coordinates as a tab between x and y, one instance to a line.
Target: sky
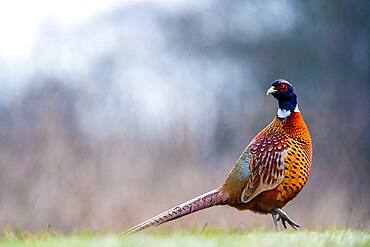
20	20
122	64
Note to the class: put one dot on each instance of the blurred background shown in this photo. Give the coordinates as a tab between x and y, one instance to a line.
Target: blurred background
113	111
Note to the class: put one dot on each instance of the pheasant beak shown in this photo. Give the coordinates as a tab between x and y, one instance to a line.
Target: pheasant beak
271	90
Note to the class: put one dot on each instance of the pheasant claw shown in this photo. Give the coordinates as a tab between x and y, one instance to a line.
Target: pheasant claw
281	215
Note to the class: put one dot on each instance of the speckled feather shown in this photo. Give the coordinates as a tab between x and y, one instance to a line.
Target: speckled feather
279	161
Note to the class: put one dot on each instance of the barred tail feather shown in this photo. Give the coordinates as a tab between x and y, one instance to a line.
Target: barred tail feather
212	198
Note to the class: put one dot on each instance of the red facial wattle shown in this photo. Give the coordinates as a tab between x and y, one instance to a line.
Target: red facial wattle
282	88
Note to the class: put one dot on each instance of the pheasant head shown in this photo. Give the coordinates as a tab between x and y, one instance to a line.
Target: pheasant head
283	91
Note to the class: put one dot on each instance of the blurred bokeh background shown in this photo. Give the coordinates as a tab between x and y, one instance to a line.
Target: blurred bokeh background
113	111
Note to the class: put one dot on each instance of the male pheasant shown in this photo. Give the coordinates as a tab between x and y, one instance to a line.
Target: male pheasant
270	172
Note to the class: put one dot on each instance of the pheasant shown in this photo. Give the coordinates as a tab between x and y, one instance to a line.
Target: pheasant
270	172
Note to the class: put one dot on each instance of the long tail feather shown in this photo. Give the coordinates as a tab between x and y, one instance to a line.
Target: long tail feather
212	198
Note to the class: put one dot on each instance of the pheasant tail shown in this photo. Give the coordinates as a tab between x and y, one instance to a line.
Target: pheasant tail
210	199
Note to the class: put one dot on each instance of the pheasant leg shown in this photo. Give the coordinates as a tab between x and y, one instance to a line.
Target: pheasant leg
275	219
281	215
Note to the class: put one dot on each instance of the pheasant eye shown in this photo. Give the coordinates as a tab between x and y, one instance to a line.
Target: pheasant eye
283	88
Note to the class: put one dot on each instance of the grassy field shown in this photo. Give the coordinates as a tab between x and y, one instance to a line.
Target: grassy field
343	238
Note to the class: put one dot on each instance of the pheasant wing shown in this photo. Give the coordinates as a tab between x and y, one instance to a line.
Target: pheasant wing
268	153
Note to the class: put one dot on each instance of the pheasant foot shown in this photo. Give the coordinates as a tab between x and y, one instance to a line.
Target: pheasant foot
278	214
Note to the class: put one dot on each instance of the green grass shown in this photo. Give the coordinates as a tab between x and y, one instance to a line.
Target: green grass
206	239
